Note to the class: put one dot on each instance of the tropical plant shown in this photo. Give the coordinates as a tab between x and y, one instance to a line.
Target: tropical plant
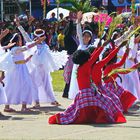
116	20
135	31
78	5
101	27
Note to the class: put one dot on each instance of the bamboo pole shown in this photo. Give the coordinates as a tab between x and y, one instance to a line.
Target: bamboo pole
133	11
44	9
58	4
30	7
2	10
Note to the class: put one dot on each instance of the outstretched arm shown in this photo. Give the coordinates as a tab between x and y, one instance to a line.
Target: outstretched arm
79	29
22	31
122	61
122	71
123	37
34	43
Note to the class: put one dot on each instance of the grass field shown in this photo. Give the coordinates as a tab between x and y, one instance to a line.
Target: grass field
58	81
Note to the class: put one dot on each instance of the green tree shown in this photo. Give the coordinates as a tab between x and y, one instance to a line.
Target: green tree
79	5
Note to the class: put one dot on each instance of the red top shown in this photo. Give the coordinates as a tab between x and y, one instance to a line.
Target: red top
97	68
84	71
109	68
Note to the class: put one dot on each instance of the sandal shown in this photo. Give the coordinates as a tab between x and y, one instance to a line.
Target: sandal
9	110
26	110
55	103
37	106
1	115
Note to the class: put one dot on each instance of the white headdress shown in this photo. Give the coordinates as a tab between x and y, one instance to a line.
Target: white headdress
39	32
87	31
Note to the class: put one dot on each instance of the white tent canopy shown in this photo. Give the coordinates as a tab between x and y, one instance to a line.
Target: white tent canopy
57	11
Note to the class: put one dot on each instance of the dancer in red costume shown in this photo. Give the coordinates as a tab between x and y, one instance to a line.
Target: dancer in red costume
89	106
126	97
96	71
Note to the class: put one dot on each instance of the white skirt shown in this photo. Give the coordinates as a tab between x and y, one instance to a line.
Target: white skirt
43	82
3	98
19	87
74	89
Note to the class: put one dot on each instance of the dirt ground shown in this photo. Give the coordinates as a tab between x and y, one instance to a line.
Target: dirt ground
34	126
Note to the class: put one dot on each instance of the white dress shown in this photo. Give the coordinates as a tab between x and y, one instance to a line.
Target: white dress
74	89
46	61
19	86
3	98
131	81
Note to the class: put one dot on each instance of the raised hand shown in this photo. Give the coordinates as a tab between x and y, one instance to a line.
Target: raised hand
17	21
9	46
131	28
79	16
31	19
4	33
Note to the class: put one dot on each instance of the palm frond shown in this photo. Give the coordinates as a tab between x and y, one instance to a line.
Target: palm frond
101	27
116	20
73	2
86	7
120	70
113	14
73	9
136	31
79	5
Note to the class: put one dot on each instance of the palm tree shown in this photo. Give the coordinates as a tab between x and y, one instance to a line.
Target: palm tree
78	5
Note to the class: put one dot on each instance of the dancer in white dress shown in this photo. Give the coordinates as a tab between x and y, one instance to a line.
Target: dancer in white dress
131	81
44	64
40	68
19	87
3	98
85	38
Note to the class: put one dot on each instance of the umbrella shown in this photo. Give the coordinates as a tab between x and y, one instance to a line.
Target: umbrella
58	11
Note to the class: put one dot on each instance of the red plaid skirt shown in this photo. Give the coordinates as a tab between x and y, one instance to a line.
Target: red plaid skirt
110	94
114	88
89	107
68	70
126	97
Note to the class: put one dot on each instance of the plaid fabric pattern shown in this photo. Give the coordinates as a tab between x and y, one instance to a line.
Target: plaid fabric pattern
110	94
115	88
68	70
85	98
